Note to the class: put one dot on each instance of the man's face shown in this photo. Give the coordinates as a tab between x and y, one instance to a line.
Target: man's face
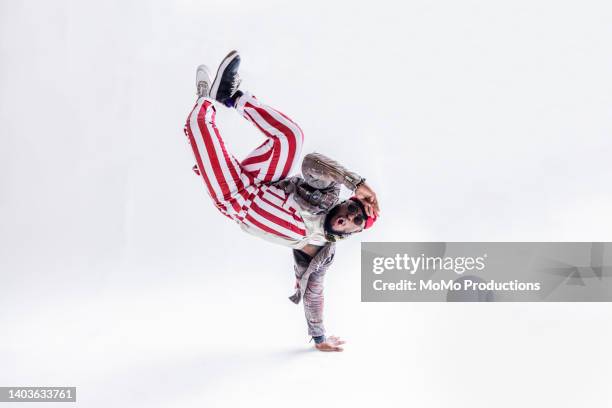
347	218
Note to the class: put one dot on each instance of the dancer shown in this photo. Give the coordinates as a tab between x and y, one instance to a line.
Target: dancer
259	194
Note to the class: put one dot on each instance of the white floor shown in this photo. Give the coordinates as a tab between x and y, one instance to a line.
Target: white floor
473	121
190	344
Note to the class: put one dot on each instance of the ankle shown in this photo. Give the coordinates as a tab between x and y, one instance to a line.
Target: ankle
231	101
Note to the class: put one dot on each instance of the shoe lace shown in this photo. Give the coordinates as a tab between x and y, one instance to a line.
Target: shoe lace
202	88
235	84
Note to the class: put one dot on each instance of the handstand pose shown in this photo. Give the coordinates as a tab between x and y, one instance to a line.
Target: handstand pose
301	212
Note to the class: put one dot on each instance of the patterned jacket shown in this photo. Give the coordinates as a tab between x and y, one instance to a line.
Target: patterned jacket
316	193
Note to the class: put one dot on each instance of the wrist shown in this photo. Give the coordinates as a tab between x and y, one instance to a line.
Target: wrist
360	183
319	339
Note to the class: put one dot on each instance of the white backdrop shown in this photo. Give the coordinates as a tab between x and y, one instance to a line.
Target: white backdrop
473	120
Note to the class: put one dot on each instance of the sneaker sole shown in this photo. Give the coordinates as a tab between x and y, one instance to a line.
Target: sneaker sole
207	76
226	61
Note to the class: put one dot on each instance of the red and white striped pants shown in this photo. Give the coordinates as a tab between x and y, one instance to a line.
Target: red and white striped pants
241	190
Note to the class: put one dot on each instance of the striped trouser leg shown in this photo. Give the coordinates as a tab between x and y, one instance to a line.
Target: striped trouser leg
227	183
275	157
271	161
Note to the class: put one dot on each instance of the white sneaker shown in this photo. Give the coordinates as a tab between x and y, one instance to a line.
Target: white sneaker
203	81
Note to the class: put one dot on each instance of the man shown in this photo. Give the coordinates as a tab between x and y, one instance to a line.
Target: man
303	213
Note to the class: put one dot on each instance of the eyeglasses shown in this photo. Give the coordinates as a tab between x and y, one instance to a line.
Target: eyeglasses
354	209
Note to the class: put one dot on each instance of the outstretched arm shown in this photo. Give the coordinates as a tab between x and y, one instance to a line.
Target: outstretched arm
313	305
322	257
313	308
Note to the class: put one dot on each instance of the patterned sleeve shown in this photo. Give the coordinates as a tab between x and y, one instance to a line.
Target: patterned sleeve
313	297
313	305
321	172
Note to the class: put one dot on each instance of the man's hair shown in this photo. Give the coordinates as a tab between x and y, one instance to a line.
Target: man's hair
327	224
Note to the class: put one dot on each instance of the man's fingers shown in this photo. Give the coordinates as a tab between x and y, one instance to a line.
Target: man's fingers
336	341
376	206
370	203
333	343
371	208
331	348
